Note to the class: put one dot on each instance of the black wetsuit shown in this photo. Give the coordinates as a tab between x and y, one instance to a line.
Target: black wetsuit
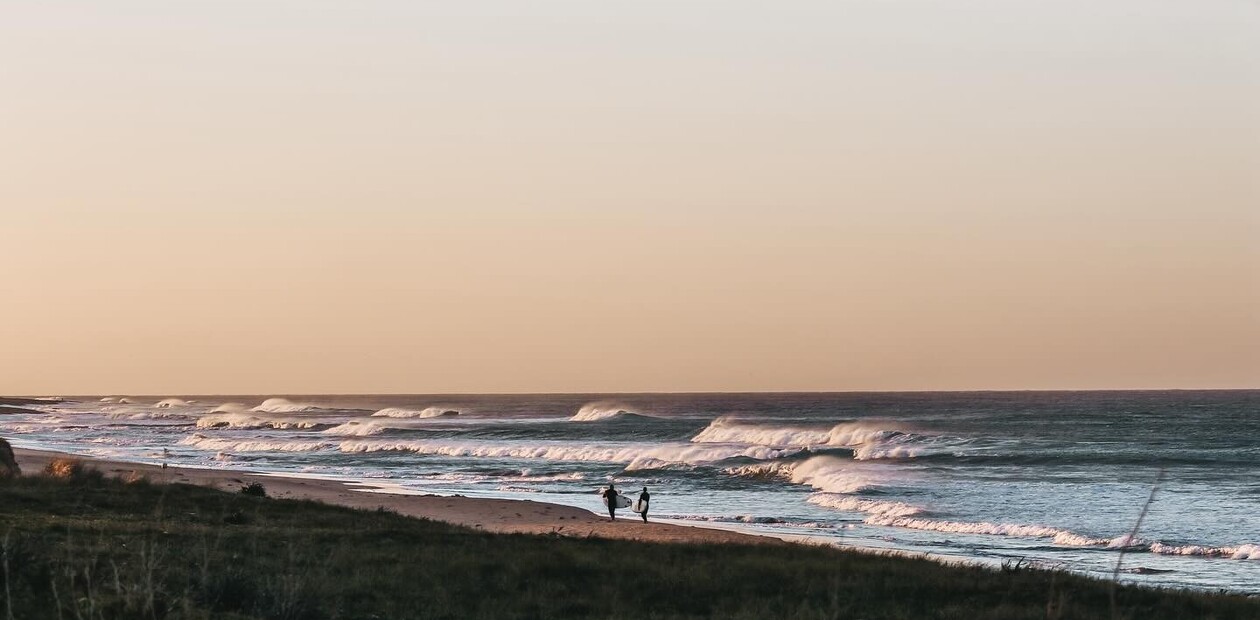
611	496
644	497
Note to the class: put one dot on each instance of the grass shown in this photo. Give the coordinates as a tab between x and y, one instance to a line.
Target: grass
88	547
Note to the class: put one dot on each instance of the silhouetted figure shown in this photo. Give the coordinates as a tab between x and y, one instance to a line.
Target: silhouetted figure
644	498
610	496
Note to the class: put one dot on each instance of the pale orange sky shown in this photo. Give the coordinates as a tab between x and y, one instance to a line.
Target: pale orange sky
286	197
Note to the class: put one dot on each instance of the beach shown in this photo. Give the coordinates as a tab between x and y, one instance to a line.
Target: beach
1051	479
492	515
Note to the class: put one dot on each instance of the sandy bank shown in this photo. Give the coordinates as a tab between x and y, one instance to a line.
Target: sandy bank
494	515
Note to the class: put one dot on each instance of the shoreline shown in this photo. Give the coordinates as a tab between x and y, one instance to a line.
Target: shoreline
503	516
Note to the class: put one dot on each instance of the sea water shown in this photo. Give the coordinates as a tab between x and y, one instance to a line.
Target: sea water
1055	479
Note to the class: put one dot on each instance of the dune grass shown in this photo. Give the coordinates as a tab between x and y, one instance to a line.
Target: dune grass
91	547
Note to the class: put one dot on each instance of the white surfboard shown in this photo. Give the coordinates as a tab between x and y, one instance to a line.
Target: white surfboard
622	501
639	505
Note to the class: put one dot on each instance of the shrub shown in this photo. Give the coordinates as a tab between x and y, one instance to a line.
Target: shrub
65	469
255	489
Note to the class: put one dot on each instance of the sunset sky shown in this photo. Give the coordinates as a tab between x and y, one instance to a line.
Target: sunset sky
370	196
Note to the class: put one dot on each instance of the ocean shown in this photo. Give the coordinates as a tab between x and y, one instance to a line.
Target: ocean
1052	479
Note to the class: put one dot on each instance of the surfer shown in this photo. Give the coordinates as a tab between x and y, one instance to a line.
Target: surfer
610	497
644	498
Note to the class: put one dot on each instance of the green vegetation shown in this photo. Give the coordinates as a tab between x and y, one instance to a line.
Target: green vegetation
88	547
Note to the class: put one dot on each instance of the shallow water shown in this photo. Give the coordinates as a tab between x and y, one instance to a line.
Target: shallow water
1055	478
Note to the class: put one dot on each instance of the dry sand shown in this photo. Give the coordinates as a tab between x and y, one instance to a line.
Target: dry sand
492	515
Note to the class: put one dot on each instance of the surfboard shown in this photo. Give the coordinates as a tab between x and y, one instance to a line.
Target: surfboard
639	505
622	501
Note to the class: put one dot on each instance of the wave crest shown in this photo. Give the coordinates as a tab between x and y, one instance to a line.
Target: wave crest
283	405
356	429
823	473
429	412
729	430
245	420
216	444
877	509
604	410
634	457
869	440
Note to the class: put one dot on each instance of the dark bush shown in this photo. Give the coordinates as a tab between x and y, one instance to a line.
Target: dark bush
255	489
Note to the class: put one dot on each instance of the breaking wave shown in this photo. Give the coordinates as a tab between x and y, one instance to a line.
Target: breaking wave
216	444
824	473
171	402
147	415
605	410
729	430
898	514
875	508
283	405
356	429
430	412
230	408
245	420
634	457
1247	551
868	440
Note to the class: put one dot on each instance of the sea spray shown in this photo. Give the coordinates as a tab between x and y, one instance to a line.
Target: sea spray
283	405
428	412
604	410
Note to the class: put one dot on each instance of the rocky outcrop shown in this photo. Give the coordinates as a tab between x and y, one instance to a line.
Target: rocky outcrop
8	464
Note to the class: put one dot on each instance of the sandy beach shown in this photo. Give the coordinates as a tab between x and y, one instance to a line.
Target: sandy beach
493	515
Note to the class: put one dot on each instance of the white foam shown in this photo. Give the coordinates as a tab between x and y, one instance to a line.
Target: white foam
897	514
355	429
601	411
429	412
761	470
831	474
756	520
869	440
1246	551
245	420
146	415
216	444
634	456
283	405
1059	536
729	430
823	473
873	507
171	402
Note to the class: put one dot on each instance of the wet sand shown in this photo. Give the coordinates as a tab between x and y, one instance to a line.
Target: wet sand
492	515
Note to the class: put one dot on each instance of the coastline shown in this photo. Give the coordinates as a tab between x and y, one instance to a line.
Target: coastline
504	516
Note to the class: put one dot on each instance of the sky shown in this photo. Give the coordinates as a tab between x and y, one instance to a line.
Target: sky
464	197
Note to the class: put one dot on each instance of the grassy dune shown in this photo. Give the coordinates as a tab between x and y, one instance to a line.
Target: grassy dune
99	548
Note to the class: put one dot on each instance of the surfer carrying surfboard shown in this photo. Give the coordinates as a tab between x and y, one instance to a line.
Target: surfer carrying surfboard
641	506
610	498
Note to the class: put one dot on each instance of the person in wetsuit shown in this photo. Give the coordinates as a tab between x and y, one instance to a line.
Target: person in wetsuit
610	495
644	498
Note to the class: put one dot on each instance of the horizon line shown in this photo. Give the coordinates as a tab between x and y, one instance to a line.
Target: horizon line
647	393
